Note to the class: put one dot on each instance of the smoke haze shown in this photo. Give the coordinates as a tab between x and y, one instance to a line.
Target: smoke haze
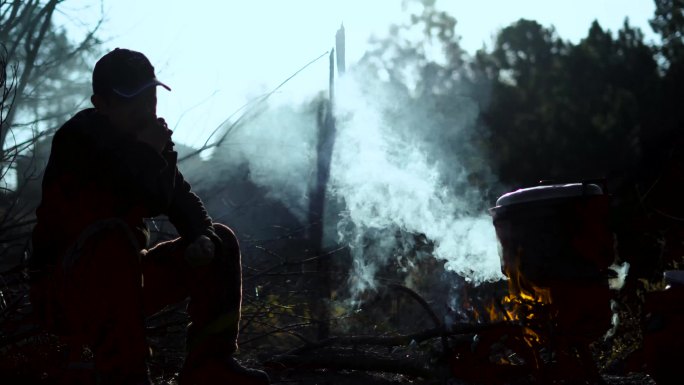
278	146
388	183
395	175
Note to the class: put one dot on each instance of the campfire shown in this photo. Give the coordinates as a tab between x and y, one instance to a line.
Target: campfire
556	248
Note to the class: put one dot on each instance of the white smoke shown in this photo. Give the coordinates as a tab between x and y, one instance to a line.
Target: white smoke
387	184
279	147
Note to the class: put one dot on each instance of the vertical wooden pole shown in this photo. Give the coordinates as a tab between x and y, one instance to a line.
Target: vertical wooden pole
326	141
340	48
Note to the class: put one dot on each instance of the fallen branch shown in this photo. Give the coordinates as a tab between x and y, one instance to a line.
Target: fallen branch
389	341
348	360
345	352
465	330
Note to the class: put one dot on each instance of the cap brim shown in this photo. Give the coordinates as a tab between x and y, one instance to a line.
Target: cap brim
129	93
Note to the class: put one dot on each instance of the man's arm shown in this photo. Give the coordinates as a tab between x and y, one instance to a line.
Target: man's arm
186	210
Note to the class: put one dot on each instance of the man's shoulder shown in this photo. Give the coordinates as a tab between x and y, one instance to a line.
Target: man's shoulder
88	118
87	122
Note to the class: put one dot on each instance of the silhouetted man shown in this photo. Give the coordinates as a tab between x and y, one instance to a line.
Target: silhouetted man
93	277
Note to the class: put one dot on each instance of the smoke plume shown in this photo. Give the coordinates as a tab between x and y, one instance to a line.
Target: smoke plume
387	182
399	176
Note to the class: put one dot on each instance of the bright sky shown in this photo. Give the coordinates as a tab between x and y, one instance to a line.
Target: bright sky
216	55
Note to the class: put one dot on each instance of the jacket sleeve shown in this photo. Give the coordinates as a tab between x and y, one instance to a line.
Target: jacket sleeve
186	210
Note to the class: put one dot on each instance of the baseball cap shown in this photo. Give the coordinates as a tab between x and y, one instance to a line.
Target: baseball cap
125	73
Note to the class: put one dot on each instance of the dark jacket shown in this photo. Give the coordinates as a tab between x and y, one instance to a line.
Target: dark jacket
95	173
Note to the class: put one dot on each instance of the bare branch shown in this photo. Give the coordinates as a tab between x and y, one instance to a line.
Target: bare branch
421	301
250	107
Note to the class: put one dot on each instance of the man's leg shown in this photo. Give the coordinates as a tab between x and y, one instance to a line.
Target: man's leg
102	301
216	300
215	292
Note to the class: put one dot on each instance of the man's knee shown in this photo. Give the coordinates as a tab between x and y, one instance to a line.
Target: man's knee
229	242
108	241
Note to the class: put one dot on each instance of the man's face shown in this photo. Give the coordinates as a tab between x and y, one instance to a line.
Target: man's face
131	114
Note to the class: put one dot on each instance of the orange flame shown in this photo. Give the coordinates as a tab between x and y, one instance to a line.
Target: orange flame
525	302
494	314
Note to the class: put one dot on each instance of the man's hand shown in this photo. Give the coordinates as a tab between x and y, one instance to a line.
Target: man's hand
156	134
200	252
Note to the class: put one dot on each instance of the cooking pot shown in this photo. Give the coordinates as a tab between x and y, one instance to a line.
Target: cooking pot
555	232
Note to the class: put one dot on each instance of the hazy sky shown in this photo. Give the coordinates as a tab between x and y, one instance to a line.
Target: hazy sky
216	55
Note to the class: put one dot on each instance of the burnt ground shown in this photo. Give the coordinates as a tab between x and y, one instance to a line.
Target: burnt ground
29	355
35	362
33	365
38	358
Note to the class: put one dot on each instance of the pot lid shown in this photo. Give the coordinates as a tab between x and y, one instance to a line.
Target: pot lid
538	193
